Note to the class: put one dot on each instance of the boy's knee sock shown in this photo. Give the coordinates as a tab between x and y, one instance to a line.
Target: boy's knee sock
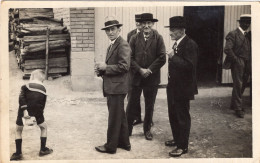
43	142
18	143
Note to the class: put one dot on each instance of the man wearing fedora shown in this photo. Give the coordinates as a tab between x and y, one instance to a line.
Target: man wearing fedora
182	85
238	51
114	72
148	56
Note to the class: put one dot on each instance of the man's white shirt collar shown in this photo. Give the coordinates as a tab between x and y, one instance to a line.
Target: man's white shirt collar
178	41
243	32
137	30
112	42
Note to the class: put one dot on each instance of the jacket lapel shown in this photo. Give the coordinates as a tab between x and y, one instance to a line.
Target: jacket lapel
150	40
141	38
181	44
110	52
240	35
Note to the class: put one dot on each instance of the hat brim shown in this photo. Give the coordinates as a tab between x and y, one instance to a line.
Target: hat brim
174	27
143	20
118	25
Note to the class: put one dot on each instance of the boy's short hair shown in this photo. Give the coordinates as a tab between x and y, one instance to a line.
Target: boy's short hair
37	74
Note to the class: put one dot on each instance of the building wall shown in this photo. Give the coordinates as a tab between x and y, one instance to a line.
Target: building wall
126	16
232	14
80	22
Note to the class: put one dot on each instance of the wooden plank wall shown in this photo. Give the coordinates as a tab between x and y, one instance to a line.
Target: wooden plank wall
232	14
126	15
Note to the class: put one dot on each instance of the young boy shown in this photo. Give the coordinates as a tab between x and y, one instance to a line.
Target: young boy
32	101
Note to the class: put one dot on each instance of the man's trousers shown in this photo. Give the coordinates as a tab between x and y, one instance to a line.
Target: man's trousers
179	117
117	132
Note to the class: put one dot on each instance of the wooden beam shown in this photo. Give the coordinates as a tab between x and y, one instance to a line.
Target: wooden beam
40	63
43	37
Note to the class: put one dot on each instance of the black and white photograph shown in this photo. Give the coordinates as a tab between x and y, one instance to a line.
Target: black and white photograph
129	81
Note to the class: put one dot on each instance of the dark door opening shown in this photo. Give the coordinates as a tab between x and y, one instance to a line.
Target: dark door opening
205	25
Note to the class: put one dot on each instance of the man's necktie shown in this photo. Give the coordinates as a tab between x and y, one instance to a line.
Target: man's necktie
146	37
110	47
175	47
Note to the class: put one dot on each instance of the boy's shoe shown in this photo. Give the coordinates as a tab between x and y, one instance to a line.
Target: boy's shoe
16	156
46	151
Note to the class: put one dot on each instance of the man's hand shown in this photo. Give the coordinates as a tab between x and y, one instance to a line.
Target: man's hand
170	53
101	66
26	115
145	72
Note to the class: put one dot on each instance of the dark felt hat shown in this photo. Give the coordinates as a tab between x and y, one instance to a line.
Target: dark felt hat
245	17
110	22
147	17
137	17
176	22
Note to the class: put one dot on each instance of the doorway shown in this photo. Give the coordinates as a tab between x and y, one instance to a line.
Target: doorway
205	25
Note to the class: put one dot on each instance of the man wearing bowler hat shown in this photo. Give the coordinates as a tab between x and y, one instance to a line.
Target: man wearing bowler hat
148	56
182	85
138	27
138	119
238	51
114	72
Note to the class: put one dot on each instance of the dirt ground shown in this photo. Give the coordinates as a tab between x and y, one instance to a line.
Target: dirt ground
77	122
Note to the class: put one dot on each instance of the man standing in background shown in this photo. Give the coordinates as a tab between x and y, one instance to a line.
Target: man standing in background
138	119
182	85
238	51
148	56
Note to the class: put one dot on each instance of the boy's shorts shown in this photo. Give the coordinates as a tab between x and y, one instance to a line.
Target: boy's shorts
38	116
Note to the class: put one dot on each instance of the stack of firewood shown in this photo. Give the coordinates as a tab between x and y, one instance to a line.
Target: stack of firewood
28	28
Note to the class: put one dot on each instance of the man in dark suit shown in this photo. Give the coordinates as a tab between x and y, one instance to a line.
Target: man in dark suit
148	56
182	85
138	27
138	119
238	51
115	87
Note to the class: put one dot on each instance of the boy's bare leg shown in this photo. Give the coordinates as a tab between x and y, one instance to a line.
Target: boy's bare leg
43	127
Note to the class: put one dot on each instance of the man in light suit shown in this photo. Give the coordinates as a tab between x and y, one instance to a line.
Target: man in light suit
114	72
182	85
148	56
238	51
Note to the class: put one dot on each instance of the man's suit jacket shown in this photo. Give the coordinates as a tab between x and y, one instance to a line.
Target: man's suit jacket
237	45
182	79
150	54
130	34
115	77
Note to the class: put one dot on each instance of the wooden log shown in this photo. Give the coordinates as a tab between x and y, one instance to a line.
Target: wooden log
41	46
41	30
31	13
40	63
43	38
52	70
47	54
42	56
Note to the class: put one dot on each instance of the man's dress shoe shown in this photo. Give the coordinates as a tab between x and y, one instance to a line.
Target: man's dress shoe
178	152
148	135
103	149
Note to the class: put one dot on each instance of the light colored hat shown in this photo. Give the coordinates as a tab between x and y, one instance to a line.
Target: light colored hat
110	21
245	17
